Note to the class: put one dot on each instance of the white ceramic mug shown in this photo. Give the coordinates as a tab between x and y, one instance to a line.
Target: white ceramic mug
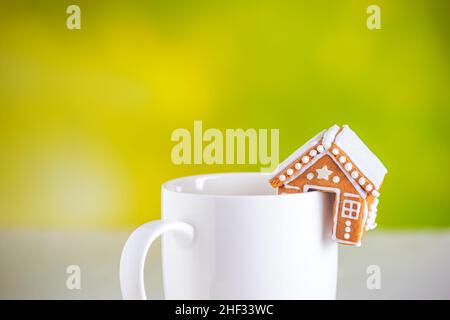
229	236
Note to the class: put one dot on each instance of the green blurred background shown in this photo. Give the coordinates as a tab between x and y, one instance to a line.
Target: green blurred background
86	115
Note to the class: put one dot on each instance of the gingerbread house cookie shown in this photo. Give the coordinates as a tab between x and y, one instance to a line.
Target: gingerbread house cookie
337	161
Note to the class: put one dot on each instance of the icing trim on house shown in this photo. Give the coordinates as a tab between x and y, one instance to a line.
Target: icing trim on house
337	201
330	135
368	163
349	178
305	167
351	195
287	186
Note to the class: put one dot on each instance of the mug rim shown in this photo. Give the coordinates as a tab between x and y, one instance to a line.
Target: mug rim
165	187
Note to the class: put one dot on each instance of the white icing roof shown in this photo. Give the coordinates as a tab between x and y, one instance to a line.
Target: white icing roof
351	144
329	136
361	155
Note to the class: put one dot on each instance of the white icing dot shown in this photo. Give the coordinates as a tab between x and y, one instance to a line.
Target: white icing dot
320	148
335	151
298	166
362	181
375	193
369	187
282	177
348	229
310	176
342	159
355	174
348	166
336	179
347	236
348	223
305	159
313	153
290	172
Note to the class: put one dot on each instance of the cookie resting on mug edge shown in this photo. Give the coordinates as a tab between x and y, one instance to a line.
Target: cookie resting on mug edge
337	161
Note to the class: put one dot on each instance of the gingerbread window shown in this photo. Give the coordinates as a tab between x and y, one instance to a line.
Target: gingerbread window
350	209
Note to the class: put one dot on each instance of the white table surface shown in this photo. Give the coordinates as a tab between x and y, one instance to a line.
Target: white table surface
413	265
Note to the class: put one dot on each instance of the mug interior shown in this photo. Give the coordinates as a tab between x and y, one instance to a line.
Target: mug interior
230	184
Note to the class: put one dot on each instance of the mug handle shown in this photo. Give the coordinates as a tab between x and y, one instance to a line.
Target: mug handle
135	251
